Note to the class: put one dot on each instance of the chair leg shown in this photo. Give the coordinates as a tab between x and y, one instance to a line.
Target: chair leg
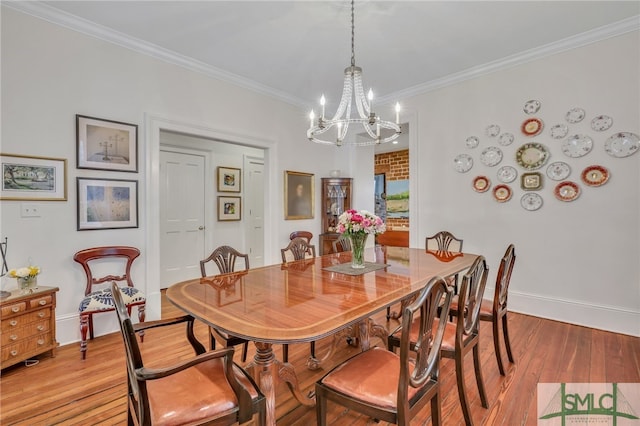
212	340
245	348
84	326
312	349
464	403
141	316
90	327
435	409
285	353
479	380
507	342
496	345
321	409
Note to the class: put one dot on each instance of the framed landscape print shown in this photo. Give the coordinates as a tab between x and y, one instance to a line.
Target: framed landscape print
228	179
298	195
106	144
229	208
107	204
31	178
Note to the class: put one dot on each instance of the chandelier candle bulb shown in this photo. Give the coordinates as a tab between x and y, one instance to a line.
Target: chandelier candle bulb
397	112
322	102
312	117
370	97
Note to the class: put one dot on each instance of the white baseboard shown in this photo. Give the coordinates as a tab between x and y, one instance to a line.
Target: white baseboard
609	318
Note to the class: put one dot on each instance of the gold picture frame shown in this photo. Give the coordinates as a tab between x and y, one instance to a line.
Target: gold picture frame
32	178
229	208
228	179
298	195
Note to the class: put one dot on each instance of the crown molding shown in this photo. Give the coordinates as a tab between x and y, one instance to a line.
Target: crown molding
64	19
598	34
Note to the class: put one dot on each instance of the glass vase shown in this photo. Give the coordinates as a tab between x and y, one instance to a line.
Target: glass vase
26	284
358	241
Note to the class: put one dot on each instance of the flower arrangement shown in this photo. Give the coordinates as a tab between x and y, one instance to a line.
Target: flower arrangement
353	222
25	272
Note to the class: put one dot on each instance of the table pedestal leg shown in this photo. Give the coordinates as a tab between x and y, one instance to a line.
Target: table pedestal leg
262	368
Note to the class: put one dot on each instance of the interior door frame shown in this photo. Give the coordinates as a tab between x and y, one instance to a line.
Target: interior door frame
154	124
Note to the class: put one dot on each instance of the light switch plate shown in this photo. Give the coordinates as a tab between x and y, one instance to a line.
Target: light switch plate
29	210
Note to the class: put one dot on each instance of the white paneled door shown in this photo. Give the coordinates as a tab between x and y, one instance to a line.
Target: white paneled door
254	210
182	213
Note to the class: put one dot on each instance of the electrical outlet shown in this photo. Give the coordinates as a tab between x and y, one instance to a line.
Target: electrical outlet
29	210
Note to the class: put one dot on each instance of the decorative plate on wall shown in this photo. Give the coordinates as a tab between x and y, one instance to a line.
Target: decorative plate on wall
505	139
507	174
532	127
492	130
559	131
601	123
502	193
472	142
577	145
531	201
532	106
491	156
567	191
622	144
532	156
481	184
531	181
575	115
463	163
558	170
595	175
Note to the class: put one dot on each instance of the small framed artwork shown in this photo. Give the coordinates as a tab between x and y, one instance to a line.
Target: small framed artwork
228	179
31	178
107	204
229	208
298	195
106	144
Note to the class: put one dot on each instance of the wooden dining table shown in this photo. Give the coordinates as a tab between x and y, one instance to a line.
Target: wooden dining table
307	300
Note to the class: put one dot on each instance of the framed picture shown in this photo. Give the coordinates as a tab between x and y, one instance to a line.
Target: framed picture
229	208
31	178
298	195
107	204
228	179
106	144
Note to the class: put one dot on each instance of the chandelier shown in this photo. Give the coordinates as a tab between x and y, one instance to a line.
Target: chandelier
367	118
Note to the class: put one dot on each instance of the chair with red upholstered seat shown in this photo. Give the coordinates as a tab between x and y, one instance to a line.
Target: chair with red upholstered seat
495	311
225	258
341	244
445	241
97	301
391	387
463	335
206	389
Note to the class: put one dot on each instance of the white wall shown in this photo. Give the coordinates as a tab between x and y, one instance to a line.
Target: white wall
578	261
50	74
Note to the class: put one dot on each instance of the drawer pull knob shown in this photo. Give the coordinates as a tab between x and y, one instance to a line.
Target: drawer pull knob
13	323
42	302
14	352
40	327
41	314
40	341
13	337
15	309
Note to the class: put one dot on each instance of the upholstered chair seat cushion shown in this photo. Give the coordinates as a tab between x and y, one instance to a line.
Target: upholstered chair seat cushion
102	300
486	308
448	339
197	393
377	385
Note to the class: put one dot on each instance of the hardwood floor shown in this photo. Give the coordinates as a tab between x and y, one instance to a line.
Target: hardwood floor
67	391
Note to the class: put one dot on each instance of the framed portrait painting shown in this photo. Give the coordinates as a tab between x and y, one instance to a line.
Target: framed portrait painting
32	178
298	195
106	144
107	204
229	208
228	179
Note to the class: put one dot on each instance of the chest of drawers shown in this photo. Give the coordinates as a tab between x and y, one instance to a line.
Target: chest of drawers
28	325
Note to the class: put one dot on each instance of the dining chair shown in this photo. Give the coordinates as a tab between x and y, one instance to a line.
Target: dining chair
298	248
97	295
445	241
301	234
495	310
225	258
391	387
460	336
206	389
341	244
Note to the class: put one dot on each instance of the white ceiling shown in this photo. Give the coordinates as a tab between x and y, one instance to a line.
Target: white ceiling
297	50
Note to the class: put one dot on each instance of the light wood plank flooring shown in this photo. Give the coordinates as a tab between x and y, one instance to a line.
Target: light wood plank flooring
67	391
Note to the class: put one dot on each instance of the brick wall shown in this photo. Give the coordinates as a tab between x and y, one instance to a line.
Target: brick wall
395	166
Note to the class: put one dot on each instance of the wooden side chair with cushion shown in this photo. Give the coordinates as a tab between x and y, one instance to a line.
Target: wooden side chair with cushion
495	311
298	248
447	242
460	336
301	234
98	298
391	387
206	389
341	244
225	258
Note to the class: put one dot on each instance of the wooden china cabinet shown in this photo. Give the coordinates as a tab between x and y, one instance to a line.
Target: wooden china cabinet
336	198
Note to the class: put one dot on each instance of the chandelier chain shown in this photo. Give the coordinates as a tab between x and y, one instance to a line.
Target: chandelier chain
353	36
